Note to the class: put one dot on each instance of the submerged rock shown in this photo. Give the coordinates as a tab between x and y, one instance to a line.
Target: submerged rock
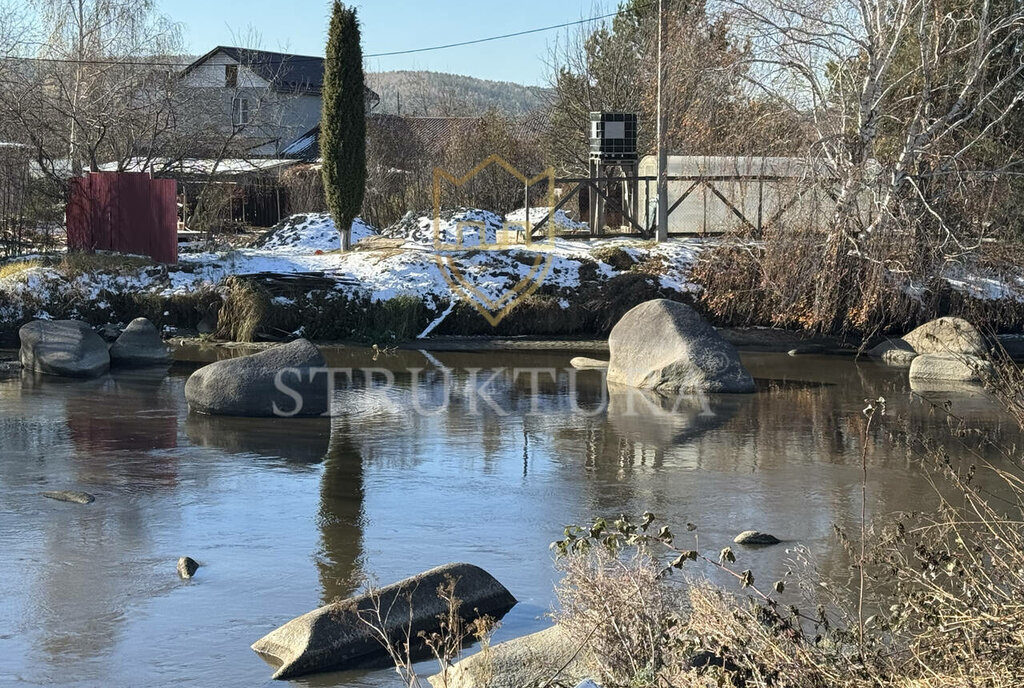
337	636
72	496
946	336
187	567
805	349
756	537
519	662
287	380
68	348
584	363
950	368
666	346
139	345
894	352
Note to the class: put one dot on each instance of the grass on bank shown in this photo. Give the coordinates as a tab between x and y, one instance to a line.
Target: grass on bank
17	267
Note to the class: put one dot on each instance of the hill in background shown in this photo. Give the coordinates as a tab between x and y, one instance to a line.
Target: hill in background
436	94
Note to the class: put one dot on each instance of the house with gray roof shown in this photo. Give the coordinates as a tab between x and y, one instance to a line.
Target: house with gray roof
263	100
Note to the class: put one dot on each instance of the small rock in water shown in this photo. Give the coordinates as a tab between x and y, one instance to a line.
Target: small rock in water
70	496
806	349
584	363
756	537
187	567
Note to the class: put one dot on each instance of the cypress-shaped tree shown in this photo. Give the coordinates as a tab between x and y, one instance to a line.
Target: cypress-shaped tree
343	122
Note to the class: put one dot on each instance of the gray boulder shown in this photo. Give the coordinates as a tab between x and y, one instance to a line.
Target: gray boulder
756	537
894	352
526	661
667	347
949	368
338	635
139	345
584	363
287	380
68	348
946	336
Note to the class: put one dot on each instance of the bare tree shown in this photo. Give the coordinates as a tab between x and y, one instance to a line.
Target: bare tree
912	103
95	87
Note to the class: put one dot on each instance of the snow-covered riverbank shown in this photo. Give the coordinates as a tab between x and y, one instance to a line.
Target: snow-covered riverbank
395	284
400	262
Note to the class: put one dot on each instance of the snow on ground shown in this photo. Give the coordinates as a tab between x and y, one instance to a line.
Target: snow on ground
563	223
467	227
312	232
309	243
985	285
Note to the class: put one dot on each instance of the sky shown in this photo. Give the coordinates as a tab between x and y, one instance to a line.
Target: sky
300	26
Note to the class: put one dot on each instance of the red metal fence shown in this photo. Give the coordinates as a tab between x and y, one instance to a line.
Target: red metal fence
127	212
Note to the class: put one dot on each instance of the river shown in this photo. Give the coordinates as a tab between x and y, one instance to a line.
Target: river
287	514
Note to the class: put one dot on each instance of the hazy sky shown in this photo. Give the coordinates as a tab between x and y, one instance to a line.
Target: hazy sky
300	26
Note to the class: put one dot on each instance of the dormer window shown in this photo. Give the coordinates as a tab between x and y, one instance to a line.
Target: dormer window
230	76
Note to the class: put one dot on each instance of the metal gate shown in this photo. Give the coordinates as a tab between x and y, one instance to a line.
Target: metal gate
126	212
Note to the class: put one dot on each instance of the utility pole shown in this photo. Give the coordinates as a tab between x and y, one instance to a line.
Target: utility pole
662	234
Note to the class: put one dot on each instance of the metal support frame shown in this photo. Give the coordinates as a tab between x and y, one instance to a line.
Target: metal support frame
646	228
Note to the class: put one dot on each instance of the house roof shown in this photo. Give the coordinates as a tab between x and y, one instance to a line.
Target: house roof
198	166
284	71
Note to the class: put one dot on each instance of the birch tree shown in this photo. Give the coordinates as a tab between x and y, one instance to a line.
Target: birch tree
915	109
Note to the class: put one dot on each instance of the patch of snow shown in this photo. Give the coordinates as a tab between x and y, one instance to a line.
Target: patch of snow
307	244
563	223
312	232
463	227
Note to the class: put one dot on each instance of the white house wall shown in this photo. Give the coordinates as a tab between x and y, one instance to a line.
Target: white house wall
210	74
278	118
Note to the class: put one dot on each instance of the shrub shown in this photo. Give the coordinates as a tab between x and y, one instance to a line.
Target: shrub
934	599
615	256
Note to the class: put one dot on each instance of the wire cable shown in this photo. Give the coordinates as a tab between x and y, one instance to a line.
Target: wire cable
302	58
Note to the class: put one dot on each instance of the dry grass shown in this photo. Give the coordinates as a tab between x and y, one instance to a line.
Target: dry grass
17	267
76	263
943	592
247	310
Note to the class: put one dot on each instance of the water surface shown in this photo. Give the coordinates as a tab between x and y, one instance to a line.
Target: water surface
286	515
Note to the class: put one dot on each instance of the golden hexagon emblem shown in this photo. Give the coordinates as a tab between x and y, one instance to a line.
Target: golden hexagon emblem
450	251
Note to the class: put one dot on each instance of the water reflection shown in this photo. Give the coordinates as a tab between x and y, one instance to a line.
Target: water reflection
661	422
340	518
294	442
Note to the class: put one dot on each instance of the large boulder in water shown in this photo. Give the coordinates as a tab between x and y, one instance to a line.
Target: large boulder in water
68	348
666	346
946	336
139	345
338	635
520	662
287	380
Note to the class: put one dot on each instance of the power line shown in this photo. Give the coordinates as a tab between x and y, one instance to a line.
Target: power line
303	58
495	38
